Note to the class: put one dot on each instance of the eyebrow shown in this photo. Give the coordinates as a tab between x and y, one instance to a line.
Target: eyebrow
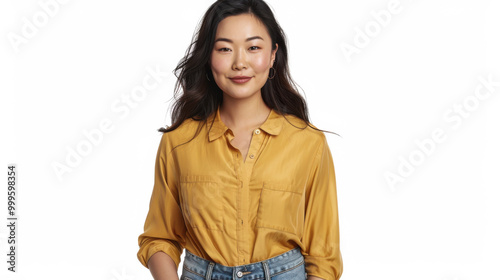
230	41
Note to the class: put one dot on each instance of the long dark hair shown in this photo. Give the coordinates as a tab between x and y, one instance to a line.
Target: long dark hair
200	96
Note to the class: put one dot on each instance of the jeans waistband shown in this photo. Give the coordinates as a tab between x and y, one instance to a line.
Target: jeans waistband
257	270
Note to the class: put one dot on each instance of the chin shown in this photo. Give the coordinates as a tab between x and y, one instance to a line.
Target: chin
240	94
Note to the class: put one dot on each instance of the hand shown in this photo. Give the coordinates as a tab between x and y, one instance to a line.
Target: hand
314	278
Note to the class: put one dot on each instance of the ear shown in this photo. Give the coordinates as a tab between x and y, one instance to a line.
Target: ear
273	55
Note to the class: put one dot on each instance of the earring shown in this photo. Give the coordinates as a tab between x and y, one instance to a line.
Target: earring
274	73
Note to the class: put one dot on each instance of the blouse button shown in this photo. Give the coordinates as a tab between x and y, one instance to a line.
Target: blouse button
257	131
251	156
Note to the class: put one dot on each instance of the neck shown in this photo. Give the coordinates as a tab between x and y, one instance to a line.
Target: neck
244	114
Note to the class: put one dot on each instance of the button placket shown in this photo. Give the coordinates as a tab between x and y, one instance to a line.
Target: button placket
252	154
243	195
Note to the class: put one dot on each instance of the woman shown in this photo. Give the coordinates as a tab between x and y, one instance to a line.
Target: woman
243	181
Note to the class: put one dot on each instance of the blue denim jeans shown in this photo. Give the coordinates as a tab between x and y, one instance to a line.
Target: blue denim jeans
287	266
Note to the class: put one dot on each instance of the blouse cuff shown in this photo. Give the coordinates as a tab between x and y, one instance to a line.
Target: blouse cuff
165	246
325	268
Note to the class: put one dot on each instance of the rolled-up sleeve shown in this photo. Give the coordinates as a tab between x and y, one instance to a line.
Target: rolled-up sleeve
164	228
321	226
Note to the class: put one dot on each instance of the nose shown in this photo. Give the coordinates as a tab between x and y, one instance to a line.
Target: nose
240	60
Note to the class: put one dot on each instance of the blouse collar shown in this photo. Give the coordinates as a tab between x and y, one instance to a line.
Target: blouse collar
272	125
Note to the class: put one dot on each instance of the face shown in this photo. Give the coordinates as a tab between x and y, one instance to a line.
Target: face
242	47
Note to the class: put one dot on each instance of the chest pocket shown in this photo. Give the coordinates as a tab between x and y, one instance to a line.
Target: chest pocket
281	207
201	203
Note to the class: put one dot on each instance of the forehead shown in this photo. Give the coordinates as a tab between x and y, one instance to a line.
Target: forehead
240	27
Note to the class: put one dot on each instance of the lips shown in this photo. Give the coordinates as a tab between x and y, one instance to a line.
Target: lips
240	79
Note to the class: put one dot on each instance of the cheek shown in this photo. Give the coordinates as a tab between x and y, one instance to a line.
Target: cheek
219	65
261	64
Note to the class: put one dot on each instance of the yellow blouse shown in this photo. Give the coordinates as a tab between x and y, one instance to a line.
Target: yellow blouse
208	200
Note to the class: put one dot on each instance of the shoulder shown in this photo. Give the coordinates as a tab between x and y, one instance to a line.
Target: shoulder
183	133
294	126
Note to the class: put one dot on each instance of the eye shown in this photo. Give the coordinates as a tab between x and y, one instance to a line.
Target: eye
223	49
256	48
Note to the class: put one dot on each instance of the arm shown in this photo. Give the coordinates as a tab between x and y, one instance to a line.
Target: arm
163	240
321	225
162	267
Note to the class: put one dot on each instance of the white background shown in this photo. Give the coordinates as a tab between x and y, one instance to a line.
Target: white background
440	221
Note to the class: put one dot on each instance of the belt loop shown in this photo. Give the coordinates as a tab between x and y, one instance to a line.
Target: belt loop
266	270
209	271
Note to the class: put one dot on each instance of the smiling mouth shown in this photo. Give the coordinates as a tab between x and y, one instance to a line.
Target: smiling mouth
240	79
